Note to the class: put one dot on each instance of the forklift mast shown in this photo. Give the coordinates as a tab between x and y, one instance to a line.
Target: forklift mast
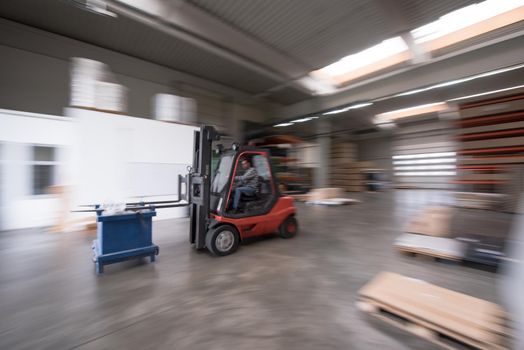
200	185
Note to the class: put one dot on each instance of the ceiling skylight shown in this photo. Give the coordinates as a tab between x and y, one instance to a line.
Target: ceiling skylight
410	112
374	58
468	22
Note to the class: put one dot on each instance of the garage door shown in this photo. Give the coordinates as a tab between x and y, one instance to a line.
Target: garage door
424	155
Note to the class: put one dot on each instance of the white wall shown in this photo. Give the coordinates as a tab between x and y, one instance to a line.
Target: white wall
120	158
377	150
34	77
102	157
18	133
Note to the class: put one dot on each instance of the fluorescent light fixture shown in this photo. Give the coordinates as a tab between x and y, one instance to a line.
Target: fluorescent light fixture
425	155
475	18
302	120
486	93
345	109
459	81
282	125
386	125
360	105
425	161
336	111
427	173
425	167
410	112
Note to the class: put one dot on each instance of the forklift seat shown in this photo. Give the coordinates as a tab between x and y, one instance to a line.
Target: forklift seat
254	196
264	188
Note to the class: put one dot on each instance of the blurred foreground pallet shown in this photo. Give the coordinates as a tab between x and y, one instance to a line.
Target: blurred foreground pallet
450	319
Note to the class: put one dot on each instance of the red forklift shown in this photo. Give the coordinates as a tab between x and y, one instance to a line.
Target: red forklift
213	223
127	234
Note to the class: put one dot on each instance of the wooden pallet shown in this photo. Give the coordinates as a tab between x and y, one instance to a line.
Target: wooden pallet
444	317
431	246
430	254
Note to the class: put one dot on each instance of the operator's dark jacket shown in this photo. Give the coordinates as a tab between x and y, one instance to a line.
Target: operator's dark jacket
249	179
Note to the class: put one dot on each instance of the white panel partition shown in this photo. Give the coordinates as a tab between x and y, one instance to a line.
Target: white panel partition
98	157
122	158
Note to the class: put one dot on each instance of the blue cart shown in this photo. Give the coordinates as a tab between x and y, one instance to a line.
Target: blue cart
122	237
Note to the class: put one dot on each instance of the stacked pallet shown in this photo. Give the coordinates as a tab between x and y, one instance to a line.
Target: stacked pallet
427	233
342	172
491	139
450	319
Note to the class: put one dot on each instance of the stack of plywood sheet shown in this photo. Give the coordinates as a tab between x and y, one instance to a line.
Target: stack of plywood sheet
432	221
428	234
476	200
435	247
442	316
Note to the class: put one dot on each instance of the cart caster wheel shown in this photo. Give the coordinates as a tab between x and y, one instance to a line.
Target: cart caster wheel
152	258
289	228
223	240
99	268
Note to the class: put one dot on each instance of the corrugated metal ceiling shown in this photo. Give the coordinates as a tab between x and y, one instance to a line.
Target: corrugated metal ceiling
319	32
313	32
127	36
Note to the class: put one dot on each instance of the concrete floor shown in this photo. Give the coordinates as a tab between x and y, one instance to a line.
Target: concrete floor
271	294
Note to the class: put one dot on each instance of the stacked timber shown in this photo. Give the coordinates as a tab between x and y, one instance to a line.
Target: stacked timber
342	157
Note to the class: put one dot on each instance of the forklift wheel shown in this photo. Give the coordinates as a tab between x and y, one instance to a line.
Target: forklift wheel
289	228
222	240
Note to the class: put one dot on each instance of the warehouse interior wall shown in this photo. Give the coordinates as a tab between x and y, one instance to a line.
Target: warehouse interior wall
35	78
19	134
377	149
98	158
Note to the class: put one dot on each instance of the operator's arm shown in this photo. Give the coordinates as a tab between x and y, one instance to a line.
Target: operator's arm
248	175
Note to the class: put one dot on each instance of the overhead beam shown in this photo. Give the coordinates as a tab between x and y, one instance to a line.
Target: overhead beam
191	24
399	25
498	53
23	37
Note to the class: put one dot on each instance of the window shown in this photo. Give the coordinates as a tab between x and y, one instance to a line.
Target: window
43	164
385	54
221	176
262	167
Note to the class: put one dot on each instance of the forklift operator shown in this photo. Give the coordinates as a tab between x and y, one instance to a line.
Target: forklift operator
247	184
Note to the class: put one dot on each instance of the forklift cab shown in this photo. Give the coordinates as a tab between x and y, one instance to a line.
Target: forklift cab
223	184
213	224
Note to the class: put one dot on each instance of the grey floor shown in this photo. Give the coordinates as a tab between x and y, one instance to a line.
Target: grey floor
271	294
